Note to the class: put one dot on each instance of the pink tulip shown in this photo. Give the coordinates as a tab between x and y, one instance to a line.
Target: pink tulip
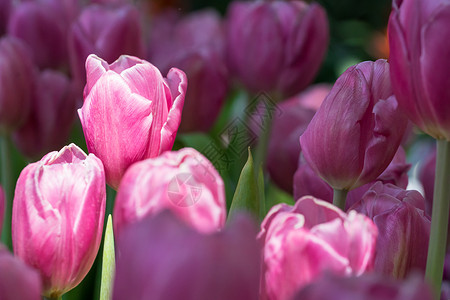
107	31
357	130
307	182
52	115
420	62
2	208
303	242
57	221
403	227
131	112
184	182
17	280
16	81
276	46
162	258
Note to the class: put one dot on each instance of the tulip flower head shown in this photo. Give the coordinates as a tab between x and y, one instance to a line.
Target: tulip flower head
57	221
130	112
311	238
185	182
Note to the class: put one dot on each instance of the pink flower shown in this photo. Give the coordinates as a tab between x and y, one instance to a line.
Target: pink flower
131	112
313	237
184	182
57	221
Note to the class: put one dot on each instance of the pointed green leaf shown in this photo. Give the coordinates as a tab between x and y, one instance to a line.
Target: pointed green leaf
109	263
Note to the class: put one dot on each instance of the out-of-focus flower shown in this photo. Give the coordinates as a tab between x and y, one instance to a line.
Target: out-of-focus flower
43	25
5	9
17	280
51	118
403	228
184	182
307	182
162	258
311	238
107	31
420	62
366	287
195	44
16	81
292	120
131	112
357	130
276	46
57	221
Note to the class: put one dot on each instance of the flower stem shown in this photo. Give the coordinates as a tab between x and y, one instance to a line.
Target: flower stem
339	197
439	218
8	187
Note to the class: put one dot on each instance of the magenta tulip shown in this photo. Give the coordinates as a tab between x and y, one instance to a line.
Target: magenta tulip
107	31
303	242
420	62
130	112
427	173
2	208
357	129
366	287
307	182
17	280
57	221
276	46
16	81
184	182
403	227
162	258
52	115
5	10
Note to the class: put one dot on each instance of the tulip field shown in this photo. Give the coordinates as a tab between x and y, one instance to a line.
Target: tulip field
244	150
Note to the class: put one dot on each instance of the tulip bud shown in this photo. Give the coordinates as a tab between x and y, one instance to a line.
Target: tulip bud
184	182
307	182
403	227
366	287
195	44
43	26
57	221
420	62
107	31
17	280
161	258
16	79
52	115
2	208
357	130
303	242
276	46
130	112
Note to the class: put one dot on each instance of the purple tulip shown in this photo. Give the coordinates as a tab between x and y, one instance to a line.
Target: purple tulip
284	148
5	10
184	182
357	130
366	287
161	258
2	208
276	46
57	221
403	227
420	62
307	182
107	31
16	81
195	44
303	242
43	25
130	112
17	280
52	115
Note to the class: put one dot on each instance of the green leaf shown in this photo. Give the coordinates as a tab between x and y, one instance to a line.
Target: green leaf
109	263
249	194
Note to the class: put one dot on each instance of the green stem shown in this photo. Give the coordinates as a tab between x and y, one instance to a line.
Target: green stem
439	219
339	197
8	187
